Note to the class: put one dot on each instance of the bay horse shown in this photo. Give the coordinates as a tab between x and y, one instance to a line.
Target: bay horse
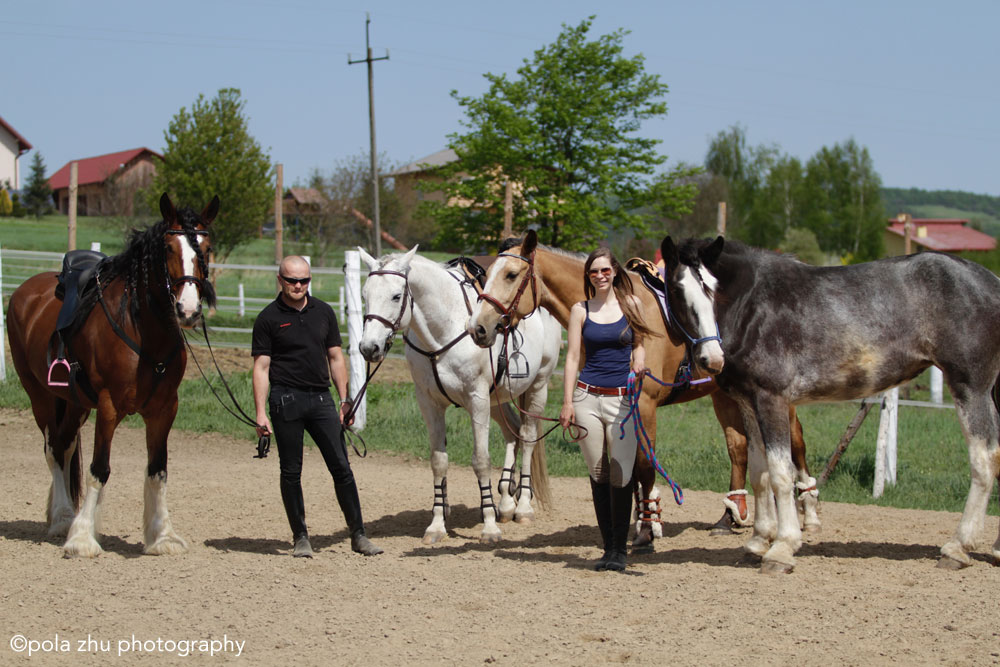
430	302
527	275
794	334
131	359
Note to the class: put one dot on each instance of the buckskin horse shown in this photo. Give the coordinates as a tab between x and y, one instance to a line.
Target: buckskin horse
430	303
128	357
794	333
527	275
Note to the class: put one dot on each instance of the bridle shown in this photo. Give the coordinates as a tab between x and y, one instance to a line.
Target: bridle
407	300
507	312
691	340
194	280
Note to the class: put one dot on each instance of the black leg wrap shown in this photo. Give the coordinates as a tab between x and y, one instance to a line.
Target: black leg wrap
441	496
486	501
525	483
507	477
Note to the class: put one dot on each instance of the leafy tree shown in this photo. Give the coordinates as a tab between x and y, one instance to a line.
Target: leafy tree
842	203
563	131
210	152
37	196
802	243
6	207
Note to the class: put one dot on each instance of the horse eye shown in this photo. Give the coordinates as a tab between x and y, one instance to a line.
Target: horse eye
511	276
397	297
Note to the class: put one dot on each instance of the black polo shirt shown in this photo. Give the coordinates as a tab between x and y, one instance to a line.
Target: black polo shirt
297	342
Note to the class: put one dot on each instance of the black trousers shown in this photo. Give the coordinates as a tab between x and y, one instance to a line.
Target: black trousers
293	413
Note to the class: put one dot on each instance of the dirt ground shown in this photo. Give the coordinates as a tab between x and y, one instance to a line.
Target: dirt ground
865	590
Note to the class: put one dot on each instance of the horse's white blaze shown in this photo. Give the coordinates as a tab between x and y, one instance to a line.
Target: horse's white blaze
188	299
158	533
704	312
82	537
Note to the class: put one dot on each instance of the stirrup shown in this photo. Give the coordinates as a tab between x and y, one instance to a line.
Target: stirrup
52	366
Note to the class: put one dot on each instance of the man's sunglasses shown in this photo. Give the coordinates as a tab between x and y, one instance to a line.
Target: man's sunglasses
604	271
295	281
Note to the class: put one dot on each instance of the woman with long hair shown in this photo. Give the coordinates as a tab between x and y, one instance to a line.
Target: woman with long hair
609	328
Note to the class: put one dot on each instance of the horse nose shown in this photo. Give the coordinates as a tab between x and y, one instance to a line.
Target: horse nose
479	333
711	358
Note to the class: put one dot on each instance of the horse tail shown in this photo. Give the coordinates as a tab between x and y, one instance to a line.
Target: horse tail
75	474
540	475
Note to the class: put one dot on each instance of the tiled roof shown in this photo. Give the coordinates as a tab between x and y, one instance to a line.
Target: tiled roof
97	169
305	196
22	143
944	234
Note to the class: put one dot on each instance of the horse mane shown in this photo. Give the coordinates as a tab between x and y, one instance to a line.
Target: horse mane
142	264
513	241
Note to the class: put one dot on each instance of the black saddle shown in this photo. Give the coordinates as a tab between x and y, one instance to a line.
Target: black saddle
472	269
77	277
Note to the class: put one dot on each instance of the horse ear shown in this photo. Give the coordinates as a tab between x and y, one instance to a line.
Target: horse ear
529	243
368	259
212	210
668	250
167	209
710	255
405	260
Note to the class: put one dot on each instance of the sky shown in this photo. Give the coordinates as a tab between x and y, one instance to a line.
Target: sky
914	82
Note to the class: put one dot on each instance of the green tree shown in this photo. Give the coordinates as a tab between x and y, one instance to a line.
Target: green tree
210	152
37	196
564	133
842	203
6	207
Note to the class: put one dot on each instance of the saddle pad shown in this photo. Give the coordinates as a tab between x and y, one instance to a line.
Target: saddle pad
652	280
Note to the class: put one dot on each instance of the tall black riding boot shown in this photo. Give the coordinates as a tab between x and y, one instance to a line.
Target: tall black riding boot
621	519
295	510
601	492
350	505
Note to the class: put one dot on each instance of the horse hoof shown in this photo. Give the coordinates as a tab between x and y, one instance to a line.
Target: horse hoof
434	538
811	528
949	563
720	531
60	528
505	518
489	538
774	567
167	546
524	519
82	549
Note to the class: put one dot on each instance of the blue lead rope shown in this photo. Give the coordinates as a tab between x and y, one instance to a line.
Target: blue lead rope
634	390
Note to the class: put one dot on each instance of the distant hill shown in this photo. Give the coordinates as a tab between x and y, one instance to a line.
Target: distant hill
982	211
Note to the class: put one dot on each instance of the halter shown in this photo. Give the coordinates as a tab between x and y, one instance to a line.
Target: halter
506	313
692	341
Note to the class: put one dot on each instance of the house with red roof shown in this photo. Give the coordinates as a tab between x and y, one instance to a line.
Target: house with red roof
106	184
942	234
12	147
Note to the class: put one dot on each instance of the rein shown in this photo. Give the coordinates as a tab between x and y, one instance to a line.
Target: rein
634	391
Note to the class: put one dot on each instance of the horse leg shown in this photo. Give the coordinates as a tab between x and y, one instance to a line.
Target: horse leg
533	451
772	419
979	420
765	521
434	418
806	489
481	466
506	418
159	537
727	412
647	497
81	540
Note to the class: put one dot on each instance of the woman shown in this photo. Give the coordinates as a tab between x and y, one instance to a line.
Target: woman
609	328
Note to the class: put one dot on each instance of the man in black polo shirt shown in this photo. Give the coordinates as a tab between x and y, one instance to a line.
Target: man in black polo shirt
296	350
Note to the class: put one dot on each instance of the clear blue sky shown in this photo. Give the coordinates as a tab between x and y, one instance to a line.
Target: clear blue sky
917	82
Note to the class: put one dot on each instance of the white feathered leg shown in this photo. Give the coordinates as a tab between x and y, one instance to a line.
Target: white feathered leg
158	533
82	537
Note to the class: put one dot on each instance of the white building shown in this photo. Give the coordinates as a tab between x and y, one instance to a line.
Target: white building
12	147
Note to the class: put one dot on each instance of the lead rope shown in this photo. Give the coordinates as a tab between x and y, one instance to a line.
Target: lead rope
634	387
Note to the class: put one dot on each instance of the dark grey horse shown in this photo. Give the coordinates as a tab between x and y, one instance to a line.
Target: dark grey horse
794	333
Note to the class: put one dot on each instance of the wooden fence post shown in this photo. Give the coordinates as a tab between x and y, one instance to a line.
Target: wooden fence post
71	243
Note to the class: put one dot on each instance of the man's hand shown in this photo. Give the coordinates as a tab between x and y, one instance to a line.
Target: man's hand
346	406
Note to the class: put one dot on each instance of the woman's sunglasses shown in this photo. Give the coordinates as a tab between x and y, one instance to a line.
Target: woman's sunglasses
295	281
604	271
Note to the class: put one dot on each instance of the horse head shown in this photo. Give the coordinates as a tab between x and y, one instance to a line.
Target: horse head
388	303
504	300
187	252
691	288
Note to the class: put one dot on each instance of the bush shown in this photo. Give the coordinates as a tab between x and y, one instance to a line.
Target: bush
17	210
6	207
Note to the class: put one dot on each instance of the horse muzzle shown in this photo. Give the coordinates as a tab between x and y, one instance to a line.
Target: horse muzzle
711	357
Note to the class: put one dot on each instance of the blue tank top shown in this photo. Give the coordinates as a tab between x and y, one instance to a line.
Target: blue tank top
609	352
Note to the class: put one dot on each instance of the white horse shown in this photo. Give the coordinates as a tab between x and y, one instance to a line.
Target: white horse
430	303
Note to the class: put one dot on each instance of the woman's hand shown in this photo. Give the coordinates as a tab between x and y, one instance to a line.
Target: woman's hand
566	415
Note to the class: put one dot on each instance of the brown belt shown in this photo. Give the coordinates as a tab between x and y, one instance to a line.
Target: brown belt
602	391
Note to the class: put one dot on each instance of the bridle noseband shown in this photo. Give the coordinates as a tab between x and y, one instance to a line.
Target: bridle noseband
691	340
507	312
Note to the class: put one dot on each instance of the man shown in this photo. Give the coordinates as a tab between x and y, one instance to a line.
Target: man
296	350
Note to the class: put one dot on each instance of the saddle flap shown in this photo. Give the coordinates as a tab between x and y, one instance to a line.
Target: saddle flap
78	269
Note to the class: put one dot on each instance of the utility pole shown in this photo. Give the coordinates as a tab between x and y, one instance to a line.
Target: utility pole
371	125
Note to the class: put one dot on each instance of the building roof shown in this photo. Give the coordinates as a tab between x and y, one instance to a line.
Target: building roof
22	143
438	159
944	234
97	169
305	196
